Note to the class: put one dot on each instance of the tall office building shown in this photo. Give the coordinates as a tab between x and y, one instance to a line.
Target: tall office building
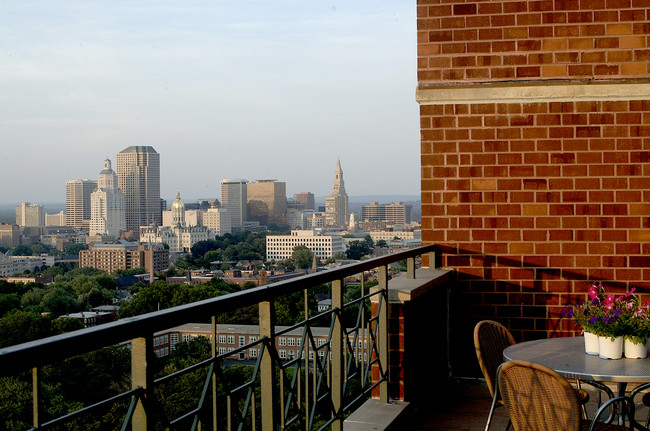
77	202
397	213
138	176
336	204
30	215
267	201
307	200
234	199
108	214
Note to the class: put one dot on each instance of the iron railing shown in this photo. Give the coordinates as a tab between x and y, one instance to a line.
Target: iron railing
328	379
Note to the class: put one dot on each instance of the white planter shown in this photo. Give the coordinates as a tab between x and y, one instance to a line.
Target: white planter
635	350
608	349
591	343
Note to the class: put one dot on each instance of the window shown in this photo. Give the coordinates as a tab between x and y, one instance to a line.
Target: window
283	341
252	338
321	341
186	337
242	340
222	350
231	339
222	339
283	354
252	353
292	341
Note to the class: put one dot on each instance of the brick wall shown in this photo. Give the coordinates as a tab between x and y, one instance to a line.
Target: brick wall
523	40
536	197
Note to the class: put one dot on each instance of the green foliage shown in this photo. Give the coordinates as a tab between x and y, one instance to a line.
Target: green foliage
8	302
22	250
127	272
357	249
302	256
74	249
21	326
66	324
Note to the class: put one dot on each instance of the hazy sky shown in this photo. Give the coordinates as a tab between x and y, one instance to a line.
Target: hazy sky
267	89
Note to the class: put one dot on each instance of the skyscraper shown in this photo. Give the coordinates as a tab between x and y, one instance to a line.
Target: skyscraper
234	199
138	176
267	201
336	204
77	202
30	215
108	215
307	200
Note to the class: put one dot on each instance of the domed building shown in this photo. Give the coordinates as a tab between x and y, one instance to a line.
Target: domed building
107	205
179	237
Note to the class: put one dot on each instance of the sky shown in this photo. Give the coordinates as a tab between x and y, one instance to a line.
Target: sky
251	89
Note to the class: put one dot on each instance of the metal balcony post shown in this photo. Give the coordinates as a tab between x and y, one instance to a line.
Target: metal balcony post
410	268
142	376
213	378
338	363
432	260
36	402
267	374
382	332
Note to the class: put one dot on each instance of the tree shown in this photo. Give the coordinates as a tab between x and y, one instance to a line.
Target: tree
22	250
74	249
357	249
302	256
21	326
381	243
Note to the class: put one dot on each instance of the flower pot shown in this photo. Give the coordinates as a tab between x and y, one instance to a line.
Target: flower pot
610	349
591	343
635	350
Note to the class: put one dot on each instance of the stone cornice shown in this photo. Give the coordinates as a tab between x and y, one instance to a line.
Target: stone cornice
533	92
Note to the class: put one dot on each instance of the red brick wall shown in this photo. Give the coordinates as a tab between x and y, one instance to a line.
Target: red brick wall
523	40
535	200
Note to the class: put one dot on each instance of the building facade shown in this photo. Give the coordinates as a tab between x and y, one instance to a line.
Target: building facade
58	219
107	203
110	257
307	200
77	202
280	247
234	198
218	221
336	204
30	215
267	201
9	235
534	157
138	176
395	213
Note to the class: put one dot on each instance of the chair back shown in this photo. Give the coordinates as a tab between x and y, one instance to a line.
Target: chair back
490	338
537	398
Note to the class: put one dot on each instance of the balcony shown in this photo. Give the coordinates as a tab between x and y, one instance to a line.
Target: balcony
363	360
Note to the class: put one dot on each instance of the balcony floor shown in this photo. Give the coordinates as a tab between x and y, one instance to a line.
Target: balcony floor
466	405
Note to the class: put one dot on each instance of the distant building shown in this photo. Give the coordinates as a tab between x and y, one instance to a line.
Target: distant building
336	204
30	215
395	213
280	247
138	176
77	202
218	221
234	199
390	235
307	200
267	201
110	257
9	235
58	219
179	237
108	211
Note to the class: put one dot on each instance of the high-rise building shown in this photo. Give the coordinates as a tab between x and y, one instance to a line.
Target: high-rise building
234	199
108	213
30	215
336	204
267	201
396	213
218	221
307	200
77	202
138	176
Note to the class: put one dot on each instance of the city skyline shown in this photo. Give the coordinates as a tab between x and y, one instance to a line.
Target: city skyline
250	90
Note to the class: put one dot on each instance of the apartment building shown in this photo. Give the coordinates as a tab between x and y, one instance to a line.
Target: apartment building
280	247
124	255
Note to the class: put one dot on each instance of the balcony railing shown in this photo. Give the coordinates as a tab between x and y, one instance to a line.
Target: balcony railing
314	390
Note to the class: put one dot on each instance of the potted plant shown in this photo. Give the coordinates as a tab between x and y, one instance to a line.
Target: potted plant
637	327
584	312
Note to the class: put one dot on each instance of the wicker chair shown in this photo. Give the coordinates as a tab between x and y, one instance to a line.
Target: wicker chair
490	339
537	398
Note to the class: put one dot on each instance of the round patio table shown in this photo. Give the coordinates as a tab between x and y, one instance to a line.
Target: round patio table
567	356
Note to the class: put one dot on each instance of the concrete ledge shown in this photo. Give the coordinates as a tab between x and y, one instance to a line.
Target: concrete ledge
402	289
373	415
